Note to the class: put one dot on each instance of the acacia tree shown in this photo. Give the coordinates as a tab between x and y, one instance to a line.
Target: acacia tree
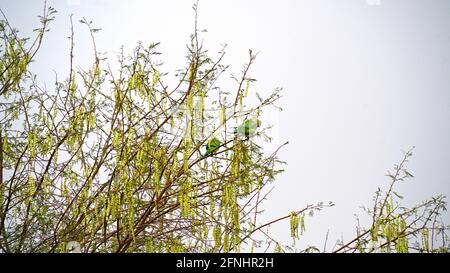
124	161
114	160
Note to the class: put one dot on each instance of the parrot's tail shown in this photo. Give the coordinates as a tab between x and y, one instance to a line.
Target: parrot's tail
205	155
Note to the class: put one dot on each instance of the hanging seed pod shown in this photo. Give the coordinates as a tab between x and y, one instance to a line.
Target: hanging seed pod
190	104
247	85
32	143
302	224
31	188
226	241
222	115
425	240
240	102
294	222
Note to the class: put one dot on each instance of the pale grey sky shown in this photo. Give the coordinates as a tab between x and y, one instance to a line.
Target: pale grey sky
362	79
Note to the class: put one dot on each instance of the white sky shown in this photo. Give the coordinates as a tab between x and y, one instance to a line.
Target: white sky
362	79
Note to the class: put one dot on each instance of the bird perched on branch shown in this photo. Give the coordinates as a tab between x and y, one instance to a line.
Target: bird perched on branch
212	146
247	128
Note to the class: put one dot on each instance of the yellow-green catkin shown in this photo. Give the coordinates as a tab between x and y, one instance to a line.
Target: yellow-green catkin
402	242
150	245
294	224
5	147
188	146
200	107
190	104
240	102
278	249
374	231
425	240
222	115
247	85
236	226
302	224
184	197
226	241
31	188
155	80
217	235
32	143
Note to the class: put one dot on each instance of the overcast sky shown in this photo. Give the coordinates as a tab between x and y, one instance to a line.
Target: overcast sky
363	80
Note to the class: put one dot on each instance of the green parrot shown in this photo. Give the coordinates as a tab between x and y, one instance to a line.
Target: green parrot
247	128
212	146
